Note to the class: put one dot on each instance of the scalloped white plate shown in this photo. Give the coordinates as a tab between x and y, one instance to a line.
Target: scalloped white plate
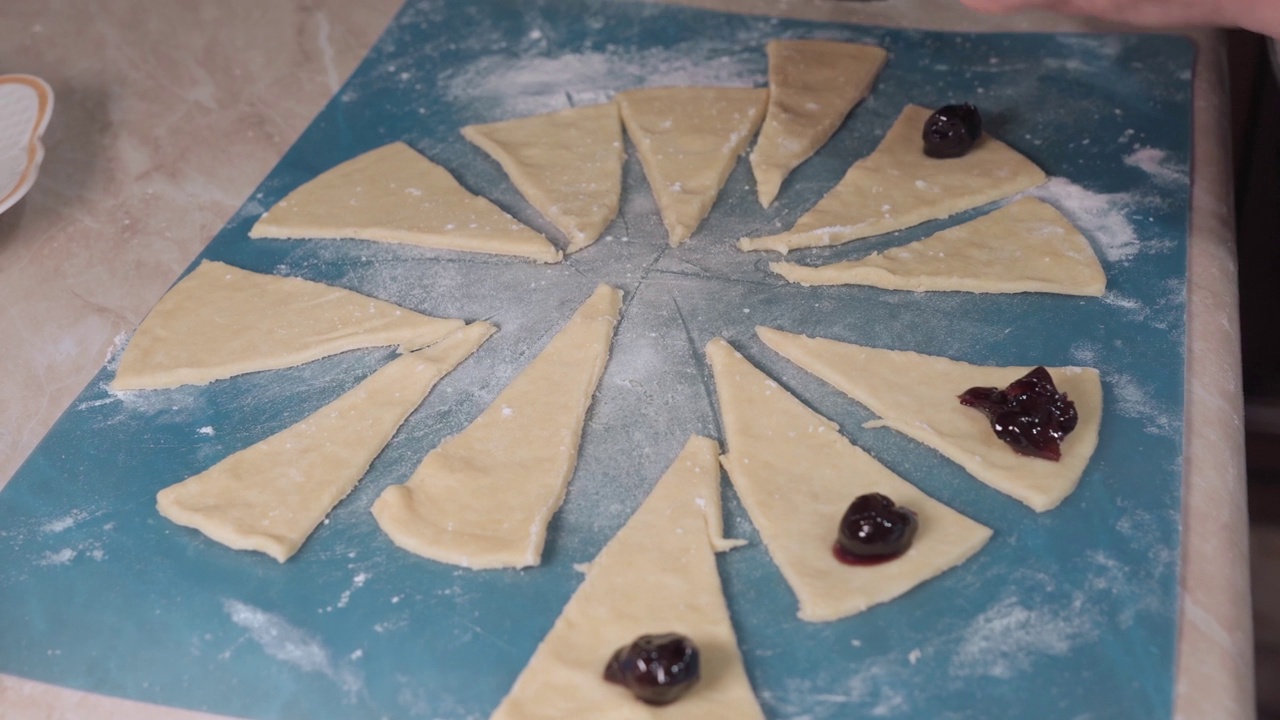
26	102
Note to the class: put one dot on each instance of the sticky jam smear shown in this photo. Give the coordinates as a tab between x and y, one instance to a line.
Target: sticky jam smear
1030	415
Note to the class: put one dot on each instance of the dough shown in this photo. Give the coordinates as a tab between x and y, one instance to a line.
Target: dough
567	164
271	495
796	475
917	396
393	194
1026	246
483	498
813	84
657	575
898	186
688	139
221	321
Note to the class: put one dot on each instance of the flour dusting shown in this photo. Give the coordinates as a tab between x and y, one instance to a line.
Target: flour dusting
1007	638
1154	163
62	557
1100	216
291	645
65	522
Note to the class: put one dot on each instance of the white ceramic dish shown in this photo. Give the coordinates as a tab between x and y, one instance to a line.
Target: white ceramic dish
25	105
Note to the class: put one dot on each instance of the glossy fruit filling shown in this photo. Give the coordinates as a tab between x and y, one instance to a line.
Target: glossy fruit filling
952	131
657	669
874	530
1030	415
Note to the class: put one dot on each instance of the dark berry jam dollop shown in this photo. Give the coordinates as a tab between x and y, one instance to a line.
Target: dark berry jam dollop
874	530
1030	415
952	130
657	669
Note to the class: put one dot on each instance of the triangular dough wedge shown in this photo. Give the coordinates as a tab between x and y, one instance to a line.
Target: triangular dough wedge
813	84
271	495
1025	246
394	194
669	546
796	475
483	498
917	396
567	164
898	186
221	321
688	139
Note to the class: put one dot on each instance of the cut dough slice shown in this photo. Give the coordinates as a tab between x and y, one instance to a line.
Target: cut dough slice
483	498
688	139
898	186
668	546
796	475
917	396
393	194
270	496
813	84
1026	246
567	164
221	321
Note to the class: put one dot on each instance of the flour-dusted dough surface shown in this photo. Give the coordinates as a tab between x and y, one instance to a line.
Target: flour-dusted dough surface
688	140
668	545
220	321
796	475
271	495
813	84
567	164
483	498
1025	246
394	194
917	396
898	186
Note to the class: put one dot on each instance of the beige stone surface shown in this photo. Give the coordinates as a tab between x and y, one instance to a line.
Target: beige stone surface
168	115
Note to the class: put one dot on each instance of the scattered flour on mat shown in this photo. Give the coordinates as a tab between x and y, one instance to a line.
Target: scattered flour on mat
1153	162
65	522
1134	400
62	557
525	85
1007	638
291	645
357	582
1100	216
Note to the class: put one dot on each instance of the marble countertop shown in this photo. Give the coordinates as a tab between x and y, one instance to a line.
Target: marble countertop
169	114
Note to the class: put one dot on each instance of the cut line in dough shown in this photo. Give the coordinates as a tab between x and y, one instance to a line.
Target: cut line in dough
483	498
688	140
1025	246
220	321
917	395
813	85
567	164
796	475
394	194
897	186
657	575
271	495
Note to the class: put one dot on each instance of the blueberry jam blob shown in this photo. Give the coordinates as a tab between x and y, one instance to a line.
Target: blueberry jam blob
952	131
657	669
874	530
1030	415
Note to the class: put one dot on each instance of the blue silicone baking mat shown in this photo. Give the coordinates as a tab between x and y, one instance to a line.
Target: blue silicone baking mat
1067	614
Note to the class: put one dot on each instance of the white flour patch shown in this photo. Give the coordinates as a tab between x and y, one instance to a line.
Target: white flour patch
357	582
516	86
1153	162
1134	400
1100	216
62	557
1007	638
291	645
65	522
1135	307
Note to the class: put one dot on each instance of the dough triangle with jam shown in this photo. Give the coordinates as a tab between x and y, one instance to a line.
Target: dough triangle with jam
796	475
394	194
813	84
657	575
689	139
483	498
567	164
917	395
1025	246
271	495
897	186
220	321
